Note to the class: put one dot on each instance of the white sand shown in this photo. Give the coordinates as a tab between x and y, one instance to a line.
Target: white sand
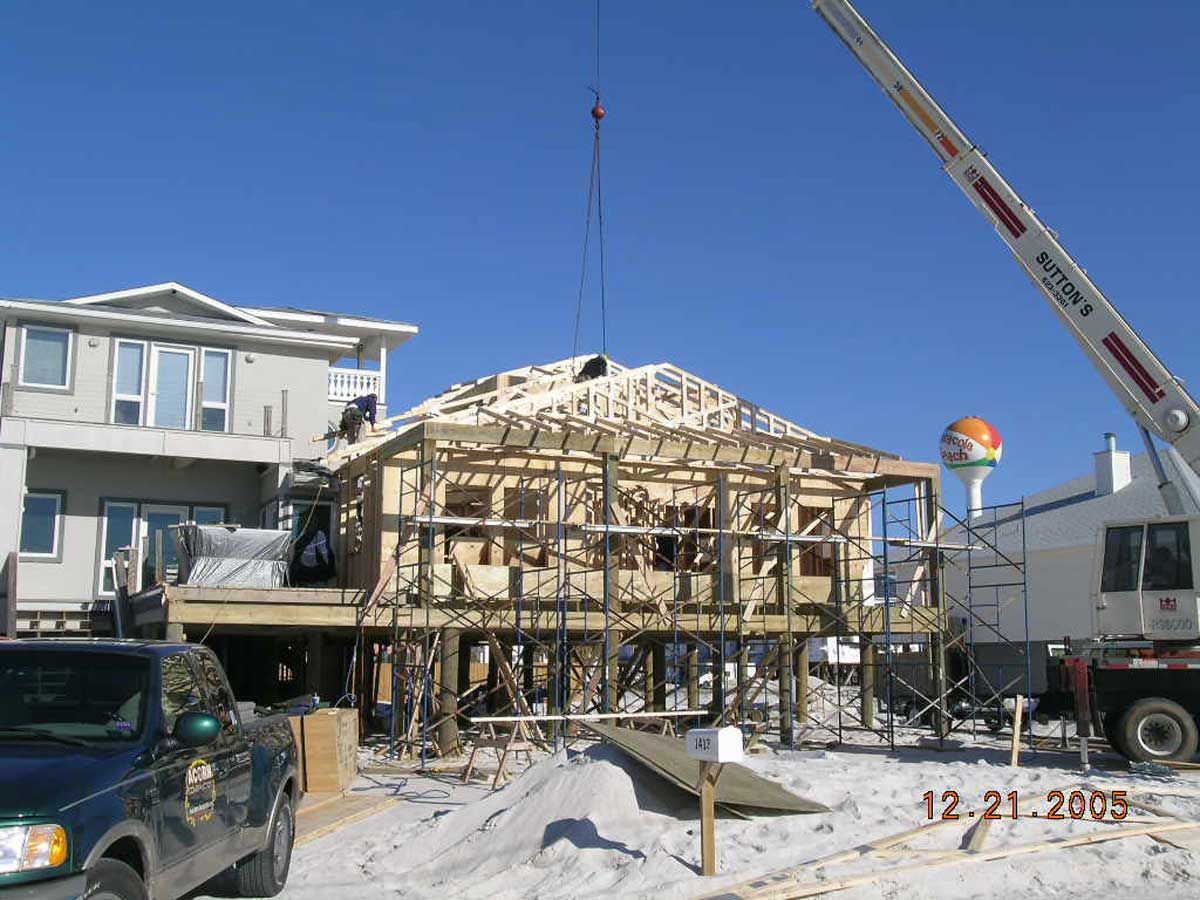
592	824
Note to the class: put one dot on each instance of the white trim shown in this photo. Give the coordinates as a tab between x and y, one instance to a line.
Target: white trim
269	334
208	404
116	374
152	408
70	333
56	546
172	287
316	318
371	325
135	529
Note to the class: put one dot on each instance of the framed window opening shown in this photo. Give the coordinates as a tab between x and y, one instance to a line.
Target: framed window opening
129	382
42	524
46	354
216	369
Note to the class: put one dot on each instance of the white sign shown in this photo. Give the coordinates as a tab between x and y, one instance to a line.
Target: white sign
719	745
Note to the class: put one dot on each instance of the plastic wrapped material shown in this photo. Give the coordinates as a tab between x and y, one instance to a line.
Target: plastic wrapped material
225	556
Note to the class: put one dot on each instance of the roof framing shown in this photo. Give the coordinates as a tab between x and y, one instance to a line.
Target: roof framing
653	412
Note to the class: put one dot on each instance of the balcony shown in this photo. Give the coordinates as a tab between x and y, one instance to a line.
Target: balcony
346	384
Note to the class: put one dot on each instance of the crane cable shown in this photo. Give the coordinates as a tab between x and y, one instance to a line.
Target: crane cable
595	200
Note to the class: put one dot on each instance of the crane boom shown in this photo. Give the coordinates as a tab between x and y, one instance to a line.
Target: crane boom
1143	385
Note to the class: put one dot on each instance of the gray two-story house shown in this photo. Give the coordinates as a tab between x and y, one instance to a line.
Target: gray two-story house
125	413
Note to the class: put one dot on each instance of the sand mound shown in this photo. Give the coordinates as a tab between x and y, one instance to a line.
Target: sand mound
563	812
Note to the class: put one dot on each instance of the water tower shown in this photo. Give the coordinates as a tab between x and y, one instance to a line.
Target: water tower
971	447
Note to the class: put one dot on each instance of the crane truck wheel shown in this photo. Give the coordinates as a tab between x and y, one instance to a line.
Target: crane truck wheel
1157	729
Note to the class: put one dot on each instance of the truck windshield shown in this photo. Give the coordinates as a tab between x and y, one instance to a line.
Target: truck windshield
61	695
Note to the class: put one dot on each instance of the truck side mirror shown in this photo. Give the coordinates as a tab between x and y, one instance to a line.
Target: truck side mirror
196	729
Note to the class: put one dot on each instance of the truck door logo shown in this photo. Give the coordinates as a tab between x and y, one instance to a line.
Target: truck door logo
199	793
1168	604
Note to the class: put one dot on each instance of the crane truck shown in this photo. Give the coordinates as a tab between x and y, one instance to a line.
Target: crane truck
1138	679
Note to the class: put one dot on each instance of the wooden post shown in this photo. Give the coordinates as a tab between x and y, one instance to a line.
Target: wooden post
160	569
801	664
447	735
1016	737
649	675
693	676
554	677
866	679
313	664
464	667
659	652
612	580
730	585
787	730
717	662
710	773
493	680
928	492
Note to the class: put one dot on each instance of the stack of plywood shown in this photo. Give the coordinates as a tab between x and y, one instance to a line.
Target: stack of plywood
328	749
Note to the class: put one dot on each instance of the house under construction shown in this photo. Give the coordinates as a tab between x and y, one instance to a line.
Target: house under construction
585	538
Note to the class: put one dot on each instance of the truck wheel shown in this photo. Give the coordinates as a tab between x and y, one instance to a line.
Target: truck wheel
1158	729
111	879
265	873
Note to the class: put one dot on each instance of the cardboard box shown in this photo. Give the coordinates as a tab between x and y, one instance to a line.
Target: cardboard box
330	750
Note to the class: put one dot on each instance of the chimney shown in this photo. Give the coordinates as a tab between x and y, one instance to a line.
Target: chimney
1112	467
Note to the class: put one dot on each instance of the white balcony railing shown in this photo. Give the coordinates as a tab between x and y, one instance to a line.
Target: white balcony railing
346	384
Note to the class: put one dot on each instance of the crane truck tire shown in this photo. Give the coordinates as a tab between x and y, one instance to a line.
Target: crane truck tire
1156	729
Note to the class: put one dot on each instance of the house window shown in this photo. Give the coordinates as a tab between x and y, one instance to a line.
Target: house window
129	382
118	527
214	400
41	524
45	356
208	515
130	523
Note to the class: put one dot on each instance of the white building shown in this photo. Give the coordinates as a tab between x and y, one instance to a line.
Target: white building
1063	526
122	414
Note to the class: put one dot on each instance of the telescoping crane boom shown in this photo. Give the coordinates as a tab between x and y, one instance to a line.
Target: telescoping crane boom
1144	386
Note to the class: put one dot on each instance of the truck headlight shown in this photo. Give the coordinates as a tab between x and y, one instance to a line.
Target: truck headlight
25	847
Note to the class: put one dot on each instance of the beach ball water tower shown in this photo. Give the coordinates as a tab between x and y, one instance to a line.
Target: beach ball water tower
971	448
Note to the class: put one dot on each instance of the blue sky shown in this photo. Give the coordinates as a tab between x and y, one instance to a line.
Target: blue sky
773	223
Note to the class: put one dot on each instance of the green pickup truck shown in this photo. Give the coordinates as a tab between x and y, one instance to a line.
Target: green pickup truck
126	773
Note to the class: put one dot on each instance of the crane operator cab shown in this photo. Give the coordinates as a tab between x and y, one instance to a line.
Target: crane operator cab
1145	588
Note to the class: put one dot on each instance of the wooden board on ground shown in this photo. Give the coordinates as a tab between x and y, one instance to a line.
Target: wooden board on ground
739	789
326	815
330	743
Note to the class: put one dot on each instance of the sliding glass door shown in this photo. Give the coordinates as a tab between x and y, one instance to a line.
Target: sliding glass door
158	519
